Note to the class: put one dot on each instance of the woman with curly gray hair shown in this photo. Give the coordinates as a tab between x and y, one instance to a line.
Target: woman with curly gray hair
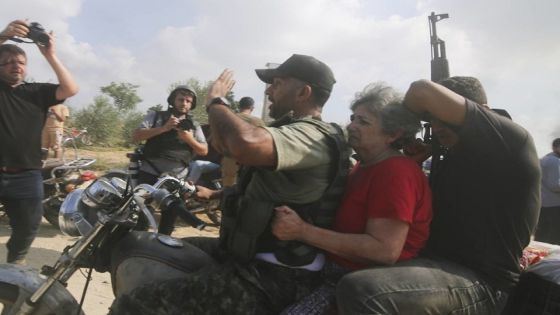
385	103
386	211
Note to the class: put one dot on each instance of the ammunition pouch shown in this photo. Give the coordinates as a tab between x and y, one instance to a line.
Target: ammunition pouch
243	222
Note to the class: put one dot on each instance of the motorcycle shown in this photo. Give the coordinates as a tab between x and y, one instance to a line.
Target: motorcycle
211	180
104	216
59	178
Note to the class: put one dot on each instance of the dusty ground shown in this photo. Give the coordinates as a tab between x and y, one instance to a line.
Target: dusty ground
47	248
50	242
106	158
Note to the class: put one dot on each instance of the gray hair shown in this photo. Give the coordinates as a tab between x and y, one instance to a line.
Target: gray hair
386	104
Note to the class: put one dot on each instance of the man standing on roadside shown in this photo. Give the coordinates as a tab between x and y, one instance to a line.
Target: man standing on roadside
54	129
23	108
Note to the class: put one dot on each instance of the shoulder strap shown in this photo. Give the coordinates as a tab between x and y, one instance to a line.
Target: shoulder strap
164	116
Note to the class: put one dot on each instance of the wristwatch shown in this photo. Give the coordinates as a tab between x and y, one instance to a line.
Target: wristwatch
218	101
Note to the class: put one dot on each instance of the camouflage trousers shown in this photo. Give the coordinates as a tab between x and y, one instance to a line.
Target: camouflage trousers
227	288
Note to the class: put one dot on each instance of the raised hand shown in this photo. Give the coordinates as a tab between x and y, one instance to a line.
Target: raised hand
223	84
48	50
15	28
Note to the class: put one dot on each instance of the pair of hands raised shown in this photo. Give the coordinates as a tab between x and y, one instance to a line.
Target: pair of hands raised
20	28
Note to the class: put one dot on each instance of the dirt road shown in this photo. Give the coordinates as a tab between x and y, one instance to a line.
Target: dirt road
47	248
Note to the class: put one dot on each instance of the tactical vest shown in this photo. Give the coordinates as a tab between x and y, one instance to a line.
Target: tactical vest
246	224
168	145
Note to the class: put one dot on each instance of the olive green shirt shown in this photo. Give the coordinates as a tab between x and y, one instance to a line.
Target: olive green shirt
302	173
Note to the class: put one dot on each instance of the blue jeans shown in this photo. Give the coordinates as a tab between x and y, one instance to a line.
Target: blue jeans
199	167
22	195
418	286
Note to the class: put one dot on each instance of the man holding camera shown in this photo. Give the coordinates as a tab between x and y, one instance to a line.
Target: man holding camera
23	108
173	138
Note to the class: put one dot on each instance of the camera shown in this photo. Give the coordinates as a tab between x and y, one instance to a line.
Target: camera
37	34
186	124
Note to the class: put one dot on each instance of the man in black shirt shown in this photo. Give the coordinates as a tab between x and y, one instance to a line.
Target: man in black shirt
23	109
486	203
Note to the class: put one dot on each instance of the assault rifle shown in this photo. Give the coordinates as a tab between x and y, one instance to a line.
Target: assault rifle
439	64
439	71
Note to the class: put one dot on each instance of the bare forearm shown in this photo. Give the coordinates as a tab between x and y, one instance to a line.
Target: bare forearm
247	144
198	147
59	117
424	96
67	85
355	247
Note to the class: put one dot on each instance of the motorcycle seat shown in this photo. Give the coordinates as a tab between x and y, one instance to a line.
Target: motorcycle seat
140	250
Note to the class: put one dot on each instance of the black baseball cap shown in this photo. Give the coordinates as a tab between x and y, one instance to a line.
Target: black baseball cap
302	67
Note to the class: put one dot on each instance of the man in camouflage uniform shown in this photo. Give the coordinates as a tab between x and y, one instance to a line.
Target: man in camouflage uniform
293	163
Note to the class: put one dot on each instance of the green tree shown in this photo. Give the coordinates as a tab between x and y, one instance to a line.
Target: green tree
156	108
101	119
124	96
125	99
131	122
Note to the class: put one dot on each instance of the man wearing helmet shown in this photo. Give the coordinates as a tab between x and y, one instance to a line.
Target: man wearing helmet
172	139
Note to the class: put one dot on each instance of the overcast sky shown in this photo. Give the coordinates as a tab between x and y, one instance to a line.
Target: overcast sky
513	47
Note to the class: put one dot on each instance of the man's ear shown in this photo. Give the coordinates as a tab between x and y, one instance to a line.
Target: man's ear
305	92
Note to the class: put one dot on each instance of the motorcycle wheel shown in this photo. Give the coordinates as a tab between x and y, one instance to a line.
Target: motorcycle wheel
86	139
10	293
51	209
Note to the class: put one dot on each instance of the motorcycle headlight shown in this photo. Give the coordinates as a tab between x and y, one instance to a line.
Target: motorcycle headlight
102	195
75	218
